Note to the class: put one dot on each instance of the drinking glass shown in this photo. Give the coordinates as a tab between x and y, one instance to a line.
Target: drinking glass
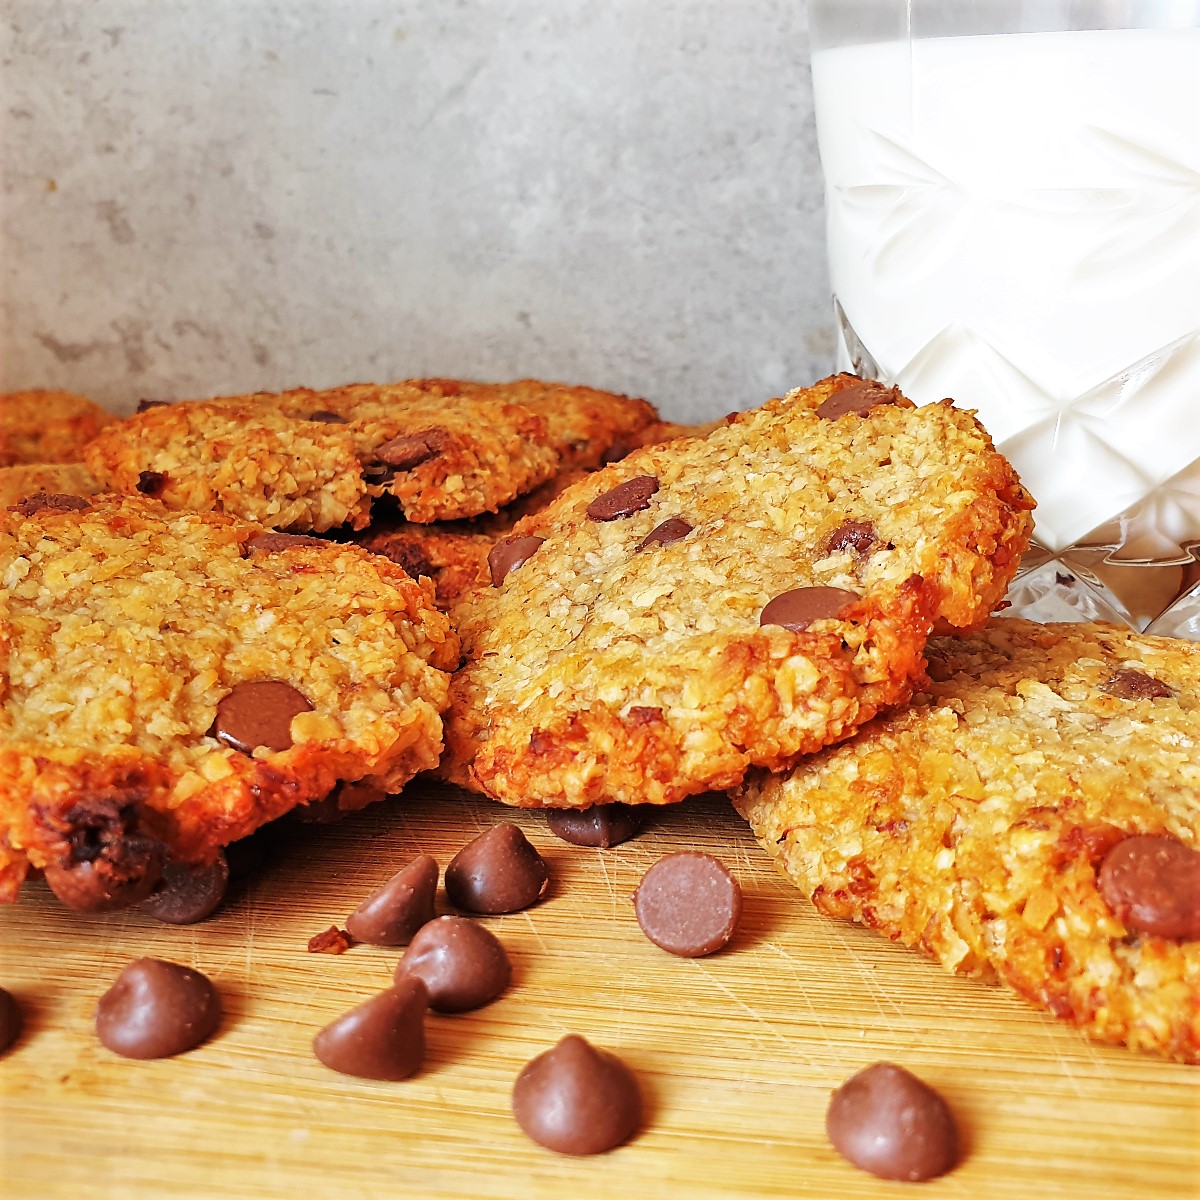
1013	219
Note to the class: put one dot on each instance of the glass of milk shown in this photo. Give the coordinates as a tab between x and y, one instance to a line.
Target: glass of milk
1013	204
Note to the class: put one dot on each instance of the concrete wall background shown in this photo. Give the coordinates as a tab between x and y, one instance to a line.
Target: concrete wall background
201	198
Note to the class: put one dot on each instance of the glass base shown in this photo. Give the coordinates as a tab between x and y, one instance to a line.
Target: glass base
1081	585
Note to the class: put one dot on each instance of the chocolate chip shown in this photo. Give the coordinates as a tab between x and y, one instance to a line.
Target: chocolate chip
108	864
499	872
151	483
798	609
391	915
1129	684
688	904
143	405
623	500
888	1122
410	449
407	555
463	965
1152	885
602	825
347	797
272	543
187	893
663	534
10	1019
49	502
617	451
258	714
510	554
156	1009
381	1039
377	473
577	1099
326	417
857	397
858	536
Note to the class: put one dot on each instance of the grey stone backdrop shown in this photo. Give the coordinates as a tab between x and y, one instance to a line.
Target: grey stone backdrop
212	196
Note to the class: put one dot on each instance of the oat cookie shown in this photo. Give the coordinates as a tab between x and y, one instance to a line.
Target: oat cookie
44	426
26	479
175	680
1033	818
305	460
713	604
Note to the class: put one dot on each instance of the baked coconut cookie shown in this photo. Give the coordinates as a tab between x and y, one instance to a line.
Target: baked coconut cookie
171	681
1033	818
44	426
739	600
312	461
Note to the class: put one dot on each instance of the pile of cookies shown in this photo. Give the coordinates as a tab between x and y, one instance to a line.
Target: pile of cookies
218	611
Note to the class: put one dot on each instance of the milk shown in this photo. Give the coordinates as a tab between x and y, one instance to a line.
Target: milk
1014	221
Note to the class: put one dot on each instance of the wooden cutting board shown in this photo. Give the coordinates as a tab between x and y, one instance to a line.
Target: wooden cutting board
736	1053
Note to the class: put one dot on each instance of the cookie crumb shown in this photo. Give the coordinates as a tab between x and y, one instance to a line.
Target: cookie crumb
330	941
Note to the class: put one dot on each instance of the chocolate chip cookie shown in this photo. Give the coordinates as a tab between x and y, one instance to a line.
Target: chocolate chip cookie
306	460
737	600
1033	818
171	681
44	426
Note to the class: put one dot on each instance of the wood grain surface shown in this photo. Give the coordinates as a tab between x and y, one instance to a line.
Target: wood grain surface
736	1053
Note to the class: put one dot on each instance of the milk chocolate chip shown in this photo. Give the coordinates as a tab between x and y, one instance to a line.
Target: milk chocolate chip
602	825
858	397
688	904
670	530
1152	885
463	965
326	416
391	915
272	543
143	405
50	502
499	872
381	1039
886	1121
258	714
410	450
798	609
186	893
1129	684
108	863
10	1019
577	1099
510	554
151	483
156	1009
623	500
858	536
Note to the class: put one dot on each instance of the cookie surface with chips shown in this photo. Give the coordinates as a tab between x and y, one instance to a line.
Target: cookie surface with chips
43	426
455	554
307	460
171	681
1033	817
713	604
